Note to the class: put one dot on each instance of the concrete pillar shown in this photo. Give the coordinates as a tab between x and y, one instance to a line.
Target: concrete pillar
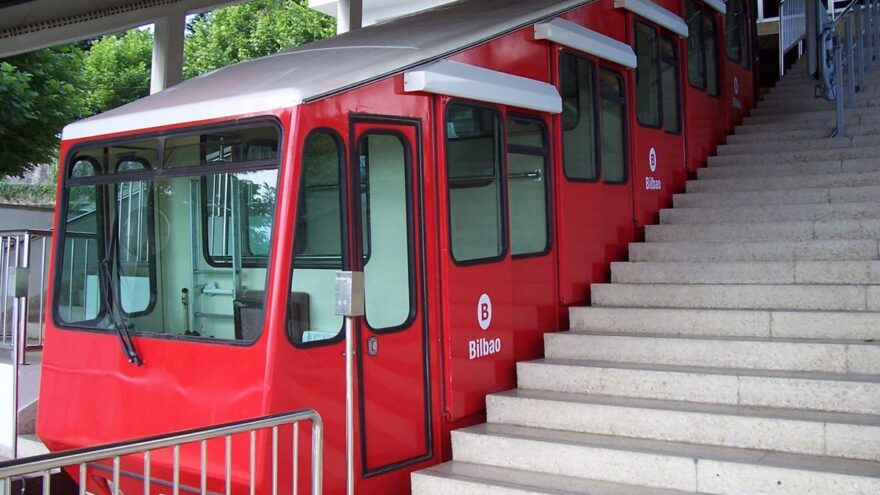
168	34
349	15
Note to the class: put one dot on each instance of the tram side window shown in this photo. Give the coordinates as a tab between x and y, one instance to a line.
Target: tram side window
710	46
473	176
669	78
527	186
613	121
695	46
580	153
734	27
647	76
317	242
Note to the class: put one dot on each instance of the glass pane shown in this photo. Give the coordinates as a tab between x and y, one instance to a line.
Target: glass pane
472	150
647	76
694	45
669	72
133	157
318	243
732	37
711	47
78	300
580	153
743	22
527	187
87	163
387	270
238	145
134	244
613	127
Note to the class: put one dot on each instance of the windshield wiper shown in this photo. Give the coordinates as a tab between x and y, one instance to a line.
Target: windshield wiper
105	268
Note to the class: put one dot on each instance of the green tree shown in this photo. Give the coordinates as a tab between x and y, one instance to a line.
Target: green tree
40	92
116	70
250	30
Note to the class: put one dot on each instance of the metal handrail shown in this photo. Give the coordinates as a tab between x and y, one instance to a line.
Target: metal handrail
792	27
44	464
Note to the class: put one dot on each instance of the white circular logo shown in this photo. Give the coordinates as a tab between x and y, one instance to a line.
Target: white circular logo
652	159
735	85
484	311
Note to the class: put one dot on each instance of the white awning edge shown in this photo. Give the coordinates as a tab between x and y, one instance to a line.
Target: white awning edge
476	83
718	5
655	13
585	40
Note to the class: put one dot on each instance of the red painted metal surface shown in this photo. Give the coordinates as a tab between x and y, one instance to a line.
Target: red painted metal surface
425	381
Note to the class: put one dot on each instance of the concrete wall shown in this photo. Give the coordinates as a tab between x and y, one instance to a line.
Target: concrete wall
14	217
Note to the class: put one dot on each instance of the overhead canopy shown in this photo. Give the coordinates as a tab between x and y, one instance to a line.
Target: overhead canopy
717	5
654	13
326	67
585	40
27	25
476	83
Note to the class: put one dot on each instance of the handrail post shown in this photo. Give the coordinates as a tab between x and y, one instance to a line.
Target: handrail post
860	35
781	37
850	63
317	455
350	305
838	85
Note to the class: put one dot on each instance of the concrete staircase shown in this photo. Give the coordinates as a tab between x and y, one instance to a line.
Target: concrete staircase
735	353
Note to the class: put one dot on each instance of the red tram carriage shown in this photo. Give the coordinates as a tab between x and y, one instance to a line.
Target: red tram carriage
482	163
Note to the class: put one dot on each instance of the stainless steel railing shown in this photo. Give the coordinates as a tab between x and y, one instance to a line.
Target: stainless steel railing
84	460
792	27
23	256
848	44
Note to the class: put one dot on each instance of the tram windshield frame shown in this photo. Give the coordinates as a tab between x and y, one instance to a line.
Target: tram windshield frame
169	234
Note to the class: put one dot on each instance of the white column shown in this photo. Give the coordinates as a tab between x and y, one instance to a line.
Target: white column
349	15
168	33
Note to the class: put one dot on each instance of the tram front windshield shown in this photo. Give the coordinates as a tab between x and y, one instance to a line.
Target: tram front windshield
169	235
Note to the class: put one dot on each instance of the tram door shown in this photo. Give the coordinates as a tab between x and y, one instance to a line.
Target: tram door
386	242
658	165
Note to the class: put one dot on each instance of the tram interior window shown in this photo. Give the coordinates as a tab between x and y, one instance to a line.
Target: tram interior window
387	276
527	186
695	45
580	153
669	78
647	76
733	24
710	45
612	116
318	242
473	170
142	220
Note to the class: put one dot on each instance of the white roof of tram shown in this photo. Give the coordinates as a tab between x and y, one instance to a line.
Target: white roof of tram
325	67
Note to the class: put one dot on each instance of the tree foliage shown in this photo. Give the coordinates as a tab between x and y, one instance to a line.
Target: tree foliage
116	70
40	92
250	30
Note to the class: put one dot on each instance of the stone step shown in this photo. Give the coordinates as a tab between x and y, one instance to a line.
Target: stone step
766	231
777	354
863	101
739	296
832	250
771	213
791	196
825	154
790	169
853	117
663	464
833	392
780	183
463	478
852	436
780	136
798	145
838	325
791	272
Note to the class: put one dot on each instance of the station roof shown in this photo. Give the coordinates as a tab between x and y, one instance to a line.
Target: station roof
325	67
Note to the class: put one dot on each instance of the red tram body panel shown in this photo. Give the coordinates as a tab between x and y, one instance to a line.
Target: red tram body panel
211	231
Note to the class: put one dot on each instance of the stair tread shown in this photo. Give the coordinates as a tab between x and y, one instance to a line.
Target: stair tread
677	368
696	407
815	463
534	482
720	338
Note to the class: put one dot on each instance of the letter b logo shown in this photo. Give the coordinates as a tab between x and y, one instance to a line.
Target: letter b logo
484	311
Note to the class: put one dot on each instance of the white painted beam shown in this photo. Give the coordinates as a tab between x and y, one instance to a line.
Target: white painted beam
585	40
349	15
656	14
